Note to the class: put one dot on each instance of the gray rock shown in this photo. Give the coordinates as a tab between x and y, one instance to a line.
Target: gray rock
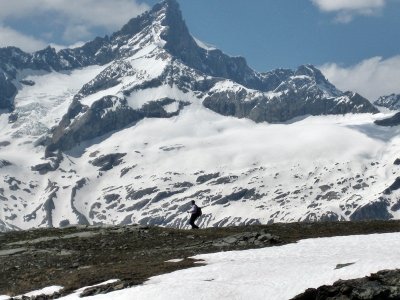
225	180
298	98
135	195
389	122
27	82
236	196
109	161
330	217
165	194
4	143
184	184
206	177
111	198
391	101
332	195
4	163
393	187
81	217
377	210
382	285
83	123
230	240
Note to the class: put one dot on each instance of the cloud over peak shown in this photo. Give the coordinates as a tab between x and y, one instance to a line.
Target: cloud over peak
372	78
11	37
346	9
75	19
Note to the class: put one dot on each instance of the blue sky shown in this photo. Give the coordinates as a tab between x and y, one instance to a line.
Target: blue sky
286	33
337	35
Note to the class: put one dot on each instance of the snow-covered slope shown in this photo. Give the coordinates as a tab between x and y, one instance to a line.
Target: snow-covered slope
134	126
391	101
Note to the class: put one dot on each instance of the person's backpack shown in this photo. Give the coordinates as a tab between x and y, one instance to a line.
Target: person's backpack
199	212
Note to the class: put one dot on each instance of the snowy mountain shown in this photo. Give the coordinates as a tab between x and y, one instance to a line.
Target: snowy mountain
129	128
391	101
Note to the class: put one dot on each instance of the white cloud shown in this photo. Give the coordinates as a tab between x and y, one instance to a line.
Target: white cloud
74	32
371	78
105	13
347	9
77	17
11	37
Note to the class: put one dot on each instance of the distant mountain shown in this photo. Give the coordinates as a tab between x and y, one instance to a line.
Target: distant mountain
131	127
163	31
391	101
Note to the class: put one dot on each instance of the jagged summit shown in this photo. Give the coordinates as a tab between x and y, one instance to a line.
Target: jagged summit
161	27
391	101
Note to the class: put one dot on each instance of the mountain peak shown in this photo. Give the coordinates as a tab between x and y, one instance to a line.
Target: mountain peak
173	4
166	14
166	7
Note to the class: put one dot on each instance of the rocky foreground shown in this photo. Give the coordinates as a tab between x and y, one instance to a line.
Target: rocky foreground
380	286
75	257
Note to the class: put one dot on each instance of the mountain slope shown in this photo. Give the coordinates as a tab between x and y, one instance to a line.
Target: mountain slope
391	101
129	128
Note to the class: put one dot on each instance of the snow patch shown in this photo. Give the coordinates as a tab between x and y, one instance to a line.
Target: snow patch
204	45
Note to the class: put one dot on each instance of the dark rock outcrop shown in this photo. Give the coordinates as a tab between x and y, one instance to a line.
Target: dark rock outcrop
206	177
4	163
393	187
377	210
262	238
391	101
53	164
109	161
236	196
298	96
379	286
389	122
106	115
82	220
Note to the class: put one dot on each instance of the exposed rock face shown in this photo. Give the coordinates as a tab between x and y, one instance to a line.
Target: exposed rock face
51	165
105	115
262	238
391	101
382	285
305	92
107	162
8	92
389	122
393	187
4	163
372	211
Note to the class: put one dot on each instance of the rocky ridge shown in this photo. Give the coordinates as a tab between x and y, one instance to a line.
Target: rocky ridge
391	101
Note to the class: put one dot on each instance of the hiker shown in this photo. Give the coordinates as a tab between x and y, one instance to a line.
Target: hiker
195	212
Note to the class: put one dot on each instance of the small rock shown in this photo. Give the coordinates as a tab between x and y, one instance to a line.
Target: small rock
230	240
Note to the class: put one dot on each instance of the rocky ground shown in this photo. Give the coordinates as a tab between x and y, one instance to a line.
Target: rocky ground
380	286
75	257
